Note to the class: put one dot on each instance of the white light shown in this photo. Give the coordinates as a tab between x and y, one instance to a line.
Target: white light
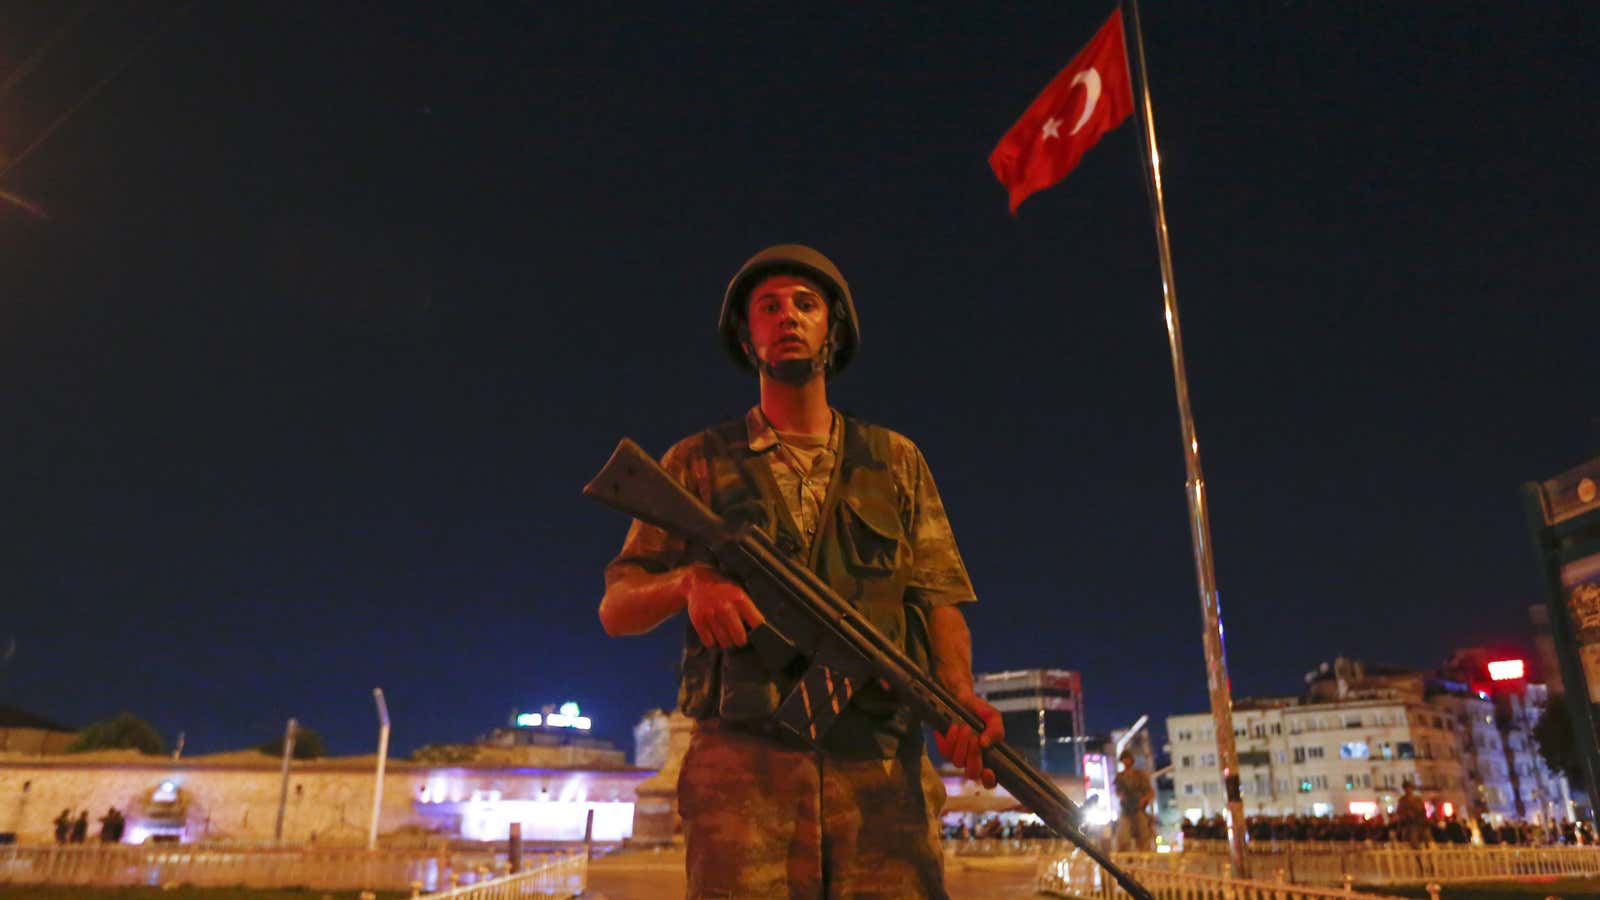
560	720
550	820
528	720
1506	669
569	709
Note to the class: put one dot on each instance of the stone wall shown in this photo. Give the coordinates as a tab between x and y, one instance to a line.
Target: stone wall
235	796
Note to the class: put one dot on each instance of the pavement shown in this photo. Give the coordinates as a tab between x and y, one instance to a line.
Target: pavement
658	875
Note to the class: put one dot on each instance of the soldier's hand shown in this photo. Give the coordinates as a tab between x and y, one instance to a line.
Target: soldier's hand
719	609
964	747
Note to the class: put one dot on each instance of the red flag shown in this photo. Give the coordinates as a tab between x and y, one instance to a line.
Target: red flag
1091	96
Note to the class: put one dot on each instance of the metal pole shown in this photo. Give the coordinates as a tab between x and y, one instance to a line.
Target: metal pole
1127	736
383	758
283	793
1199	515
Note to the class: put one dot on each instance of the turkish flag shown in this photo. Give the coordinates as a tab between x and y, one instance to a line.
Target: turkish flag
1091	96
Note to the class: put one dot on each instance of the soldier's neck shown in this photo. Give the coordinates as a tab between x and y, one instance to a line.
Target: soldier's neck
797	409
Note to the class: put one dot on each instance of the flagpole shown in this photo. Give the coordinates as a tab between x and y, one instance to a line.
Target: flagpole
1199	515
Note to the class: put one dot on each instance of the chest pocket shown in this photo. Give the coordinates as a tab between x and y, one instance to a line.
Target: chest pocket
872	538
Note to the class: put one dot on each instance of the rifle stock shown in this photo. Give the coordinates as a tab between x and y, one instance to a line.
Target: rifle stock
632	482
802	612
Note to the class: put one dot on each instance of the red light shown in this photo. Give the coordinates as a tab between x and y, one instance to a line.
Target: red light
1506	669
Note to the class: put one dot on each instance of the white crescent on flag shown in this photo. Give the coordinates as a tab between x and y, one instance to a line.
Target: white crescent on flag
1090	79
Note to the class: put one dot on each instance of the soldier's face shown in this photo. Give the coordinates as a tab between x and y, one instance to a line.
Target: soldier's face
788	318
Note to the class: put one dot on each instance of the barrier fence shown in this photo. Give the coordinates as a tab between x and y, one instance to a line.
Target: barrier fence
1079	877
1368	867
203	865
562	875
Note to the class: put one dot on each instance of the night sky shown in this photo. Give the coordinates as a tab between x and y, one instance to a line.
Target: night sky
334	307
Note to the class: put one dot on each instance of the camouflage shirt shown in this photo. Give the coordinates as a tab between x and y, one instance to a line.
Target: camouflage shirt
938	576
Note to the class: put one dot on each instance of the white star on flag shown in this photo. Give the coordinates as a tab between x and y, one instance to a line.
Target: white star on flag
1052	128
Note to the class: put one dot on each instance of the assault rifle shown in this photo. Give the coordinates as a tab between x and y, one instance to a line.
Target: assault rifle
817	638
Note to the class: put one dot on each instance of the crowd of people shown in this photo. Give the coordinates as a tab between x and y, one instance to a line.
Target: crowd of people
996	829
75	829
1383	829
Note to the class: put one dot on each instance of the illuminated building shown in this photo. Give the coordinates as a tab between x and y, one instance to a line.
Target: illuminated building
549	778
1349	744
1042	710
1509	683
554	736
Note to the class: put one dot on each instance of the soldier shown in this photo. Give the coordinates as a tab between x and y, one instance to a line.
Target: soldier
764	814
1413	816
1134	792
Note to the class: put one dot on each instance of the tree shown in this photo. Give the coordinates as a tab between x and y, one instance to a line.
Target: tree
444	754
1557	744
125	731
307	744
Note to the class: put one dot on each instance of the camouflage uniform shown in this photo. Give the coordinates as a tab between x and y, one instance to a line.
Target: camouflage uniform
766	817
1134	829
1413	816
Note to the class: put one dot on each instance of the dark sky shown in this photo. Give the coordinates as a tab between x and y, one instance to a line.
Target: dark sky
338	305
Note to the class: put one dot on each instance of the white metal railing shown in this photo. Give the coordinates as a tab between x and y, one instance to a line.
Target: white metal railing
557	875
1007	846
1398	866
222	865
1078	876
1390	865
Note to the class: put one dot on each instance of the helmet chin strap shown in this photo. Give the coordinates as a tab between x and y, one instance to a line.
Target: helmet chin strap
795	372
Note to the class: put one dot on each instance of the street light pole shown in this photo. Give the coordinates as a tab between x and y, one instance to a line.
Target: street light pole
383	757
283	793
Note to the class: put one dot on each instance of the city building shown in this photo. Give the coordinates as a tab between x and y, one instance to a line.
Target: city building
1518	700
554	736
1356	737
547	775
1042	710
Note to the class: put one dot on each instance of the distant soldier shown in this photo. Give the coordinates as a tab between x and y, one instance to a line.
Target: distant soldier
1413	816
80	828
111	826
63	826
1135	831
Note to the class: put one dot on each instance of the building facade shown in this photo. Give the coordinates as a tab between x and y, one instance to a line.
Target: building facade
1042	710
1357	736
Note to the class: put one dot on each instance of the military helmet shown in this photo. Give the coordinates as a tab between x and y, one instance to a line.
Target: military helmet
801	261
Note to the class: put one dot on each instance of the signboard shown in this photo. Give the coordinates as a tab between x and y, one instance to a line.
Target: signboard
1564	519
1580	583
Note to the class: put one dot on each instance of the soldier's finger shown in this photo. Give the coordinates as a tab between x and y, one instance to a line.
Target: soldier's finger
993	732
749	612
988	778
704	631
963	748
733	627
718	626
974	759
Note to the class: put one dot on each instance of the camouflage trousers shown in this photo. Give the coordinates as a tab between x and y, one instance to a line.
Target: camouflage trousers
764	820
1135	833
